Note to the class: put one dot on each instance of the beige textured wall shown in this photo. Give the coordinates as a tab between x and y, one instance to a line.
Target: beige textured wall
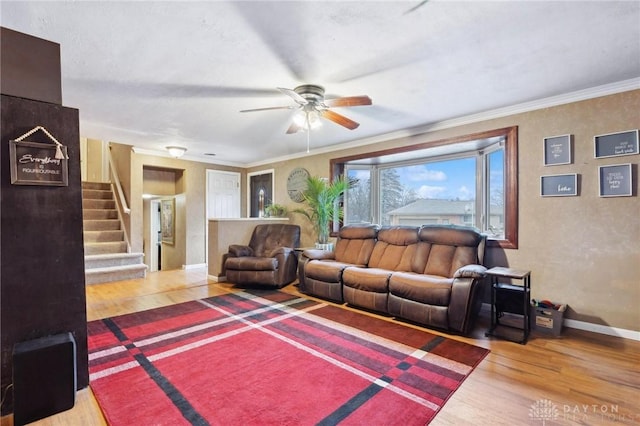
94	161
190	188
121	155
585	250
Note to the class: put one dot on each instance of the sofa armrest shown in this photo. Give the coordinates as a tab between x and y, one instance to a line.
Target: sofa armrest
465	302
471	271
238	250
287	260
317	254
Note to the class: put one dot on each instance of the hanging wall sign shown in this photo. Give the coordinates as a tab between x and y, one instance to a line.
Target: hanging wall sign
35	163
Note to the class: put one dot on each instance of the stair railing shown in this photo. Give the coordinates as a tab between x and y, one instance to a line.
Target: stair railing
121	201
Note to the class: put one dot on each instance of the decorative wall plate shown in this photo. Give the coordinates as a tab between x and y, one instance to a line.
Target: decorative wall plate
297	183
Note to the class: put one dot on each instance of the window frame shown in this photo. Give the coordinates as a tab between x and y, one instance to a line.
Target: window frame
510	135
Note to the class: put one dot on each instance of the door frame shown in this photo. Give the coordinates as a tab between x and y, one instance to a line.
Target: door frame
154	241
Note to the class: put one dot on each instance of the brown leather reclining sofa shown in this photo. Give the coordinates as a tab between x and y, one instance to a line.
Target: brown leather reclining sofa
429	275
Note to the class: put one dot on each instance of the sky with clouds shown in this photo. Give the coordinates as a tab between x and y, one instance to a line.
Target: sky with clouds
450	180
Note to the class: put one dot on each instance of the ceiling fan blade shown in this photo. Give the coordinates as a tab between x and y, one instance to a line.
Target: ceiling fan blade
267	108
339	119
348	101
294	128
295	96
422	3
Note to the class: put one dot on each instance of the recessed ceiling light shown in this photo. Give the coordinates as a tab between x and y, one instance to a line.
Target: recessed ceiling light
210	154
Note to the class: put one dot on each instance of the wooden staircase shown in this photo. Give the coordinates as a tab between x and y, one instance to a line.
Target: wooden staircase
106	256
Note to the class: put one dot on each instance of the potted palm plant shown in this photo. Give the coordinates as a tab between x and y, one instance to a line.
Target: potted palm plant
321	198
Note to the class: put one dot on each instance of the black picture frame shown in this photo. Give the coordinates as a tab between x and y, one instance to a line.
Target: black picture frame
558	150
34	163
559	185
616	144
616	180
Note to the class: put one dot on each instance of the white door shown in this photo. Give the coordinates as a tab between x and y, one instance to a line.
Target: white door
223	194
223	199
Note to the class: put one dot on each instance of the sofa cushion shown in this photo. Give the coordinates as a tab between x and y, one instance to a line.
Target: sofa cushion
429	289
249	263
356	252
395	248
355	243
367	279
450	235
325	270
446	249
267	237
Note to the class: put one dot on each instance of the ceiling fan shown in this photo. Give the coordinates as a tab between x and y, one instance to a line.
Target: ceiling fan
312	105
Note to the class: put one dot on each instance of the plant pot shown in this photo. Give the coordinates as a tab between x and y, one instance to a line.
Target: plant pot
326	246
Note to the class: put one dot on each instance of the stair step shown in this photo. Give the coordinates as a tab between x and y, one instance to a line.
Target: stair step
98	261
103	236
105	248
98	214
101	225
103	186
93	204
106	258
97	194
115	273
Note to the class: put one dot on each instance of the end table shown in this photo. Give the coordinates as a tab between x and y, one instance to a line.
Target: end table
510	298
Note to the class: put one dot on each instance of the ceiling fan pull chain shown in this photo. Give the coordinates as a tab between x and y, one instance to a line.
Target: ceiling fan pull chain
308	132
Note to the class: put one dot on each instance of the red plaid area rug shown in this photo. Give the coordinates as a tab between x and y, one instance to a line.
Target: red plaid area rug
270	358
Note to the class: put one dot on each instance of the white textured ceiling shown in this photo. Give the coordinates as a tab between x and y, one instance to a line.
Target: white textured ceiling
152	74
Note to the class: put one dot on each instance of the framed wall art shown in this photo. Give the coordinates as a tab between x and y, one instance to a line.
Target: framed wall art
615	180
616	144
168	221
559	185
35	164
557	150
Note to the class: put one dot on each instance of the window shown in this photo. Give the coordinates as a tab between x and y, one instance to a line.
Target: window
358	197
471	181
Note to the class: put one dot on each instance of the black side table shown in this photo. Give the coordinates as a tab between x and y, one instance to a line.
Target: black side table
510	298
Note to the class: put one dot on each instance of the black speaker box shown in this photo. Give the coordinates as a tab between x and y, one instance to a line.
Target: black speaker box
44	377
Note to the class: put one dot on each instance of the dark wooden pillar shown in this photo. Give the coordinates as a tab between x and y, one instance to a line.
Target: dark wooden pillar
42	287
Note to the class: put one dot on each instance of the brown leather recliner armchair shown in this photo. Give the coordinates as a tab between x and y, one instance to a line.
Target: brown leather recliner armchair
269	259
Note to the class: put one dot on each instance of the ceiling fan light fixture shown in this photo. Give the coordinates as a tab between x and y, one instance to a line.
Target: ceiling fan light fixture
176	151
307	120
313	120
300	118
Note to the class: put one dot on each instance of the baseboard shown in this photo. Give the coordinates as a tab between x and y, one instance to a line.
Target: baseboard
194	266
217	279
591	327
602	329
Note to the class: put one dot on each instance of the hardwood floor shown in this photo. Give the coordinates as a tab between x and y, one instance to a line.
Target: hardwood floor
579	378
